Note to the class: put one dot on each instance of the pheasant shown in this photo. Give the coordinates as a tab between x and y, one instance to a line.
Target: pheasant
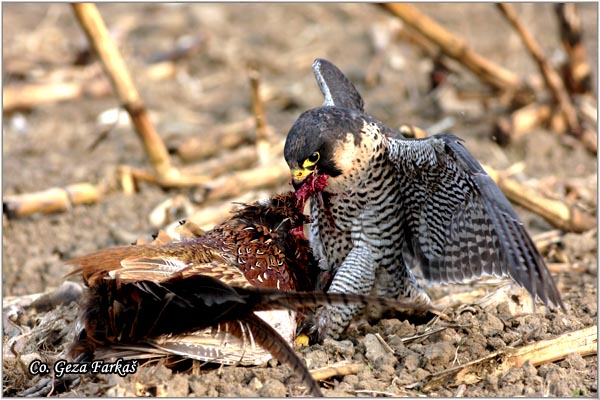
228	295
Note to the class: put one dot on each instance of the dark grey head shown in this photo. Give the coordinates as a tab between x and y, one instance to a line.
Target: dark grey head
317	138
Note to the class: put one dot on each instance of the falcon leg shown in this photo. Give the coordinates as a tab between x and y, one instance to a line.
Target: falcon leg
401	284
355	275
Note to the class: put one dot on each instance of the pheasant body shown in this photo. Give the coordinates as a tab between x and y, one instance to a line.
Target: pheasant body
175	296
229	295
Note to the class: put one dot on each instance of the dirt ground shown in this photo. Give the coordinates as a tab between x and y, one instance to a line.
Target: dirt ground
49	146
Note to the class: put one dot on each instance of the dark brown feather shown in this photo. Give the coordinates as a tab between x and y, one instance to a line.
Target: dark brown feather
138	293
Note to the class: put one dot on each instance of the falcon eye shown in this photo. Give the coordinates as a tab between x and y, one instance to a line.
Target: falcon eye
311	160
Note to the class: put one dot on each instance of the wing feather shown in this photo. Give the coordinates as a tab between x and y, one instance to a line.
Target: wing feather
461	224
337	90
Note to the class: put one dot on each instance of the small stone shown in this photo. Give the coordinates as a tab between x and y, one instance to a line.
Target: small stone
162	373
395	342
385	365
405	329
255	384
365	374
517	389
404	378
388	326
197	386
491	381
373	348
580	243
496	343
316	358
447	335
342	390
503	311
529	371
420	373
475	345
410	360
513	375
177	386
245	391
370	384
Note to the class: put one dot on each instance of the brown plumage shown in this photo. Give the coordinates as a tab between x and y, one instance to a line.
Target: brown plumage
175	296
225	295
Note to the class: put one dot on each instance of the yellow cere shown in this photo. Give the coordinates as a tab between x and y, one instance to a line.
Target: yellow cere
301	173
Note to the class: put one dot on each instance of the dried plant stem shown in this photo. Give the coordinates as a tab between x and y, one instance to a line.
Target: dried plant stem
545	240
551	77
226	137
577	73
116	70
262	129
456	48
225	162
412	131
557	213
341	368
18	97
521	122
583	341
237	183
51	200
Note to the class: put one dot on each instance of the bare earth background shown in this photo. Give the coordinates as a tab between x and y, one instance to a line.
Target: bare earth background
49	147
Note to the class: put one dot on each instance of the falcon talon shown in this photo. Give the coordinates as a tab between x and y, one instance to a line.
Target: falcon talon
390	204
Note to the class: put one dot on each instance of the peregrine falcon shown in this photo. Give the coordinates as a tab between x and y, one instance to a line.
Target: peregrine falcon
382	204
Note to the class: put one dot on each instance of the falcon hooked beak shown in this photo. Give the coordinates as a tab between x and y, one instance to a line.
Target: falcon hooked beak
299	176
307	183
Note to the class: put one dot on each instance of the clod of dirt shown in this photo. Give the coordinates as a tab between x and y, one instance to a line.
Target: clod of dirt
315	358
560	382
437	356
272	388
491	325
342	348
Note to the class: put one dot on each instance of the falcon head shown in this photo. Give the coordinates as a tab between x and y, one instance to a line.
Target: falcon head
325	146
322	143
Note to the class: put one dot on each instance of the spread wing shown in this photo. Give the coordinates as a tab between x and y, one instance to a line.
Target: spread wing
460	225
